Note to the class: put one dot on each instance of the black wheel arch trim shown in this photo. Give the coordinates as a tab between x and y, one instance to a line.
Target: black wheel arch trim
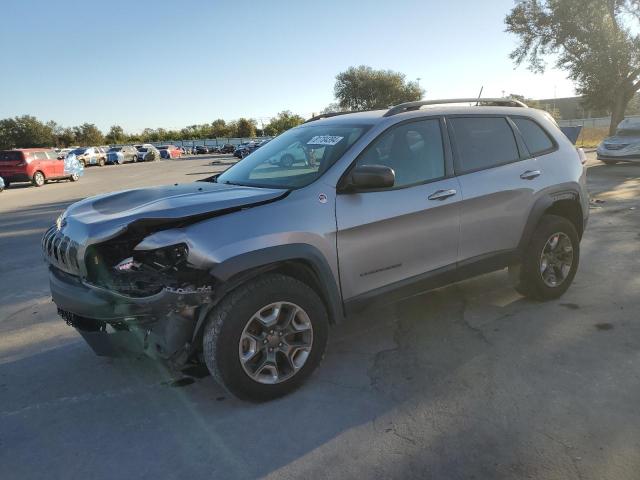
542	204
237	270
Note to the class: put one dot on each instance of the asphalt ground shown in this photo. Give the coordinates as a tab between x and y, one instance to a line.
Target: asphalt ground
468	381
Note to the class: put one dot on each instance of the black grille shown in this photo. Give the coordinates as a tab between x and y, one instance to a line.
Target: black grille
60	251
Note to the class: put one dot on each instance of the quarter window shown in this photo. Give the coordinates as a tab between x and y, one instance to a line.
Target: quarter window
413	150
536	140
483	142
40	156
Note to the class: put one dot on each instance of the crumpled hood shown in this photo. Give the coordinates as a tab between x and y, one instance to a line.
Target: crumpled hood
105	216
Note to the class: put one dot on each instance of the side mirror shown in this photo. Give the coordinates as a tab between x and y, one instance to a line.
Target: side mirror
370	177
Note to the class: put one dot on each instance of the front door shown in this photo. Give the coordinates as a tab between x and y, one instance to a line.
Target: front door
390	237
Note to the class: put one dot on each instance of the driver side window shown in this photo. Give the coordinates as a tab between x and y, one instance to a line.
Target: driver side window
413	150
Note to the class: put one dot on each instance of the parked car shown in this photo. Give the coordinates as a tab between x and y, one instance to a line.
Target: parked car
243	150
90	156
148	153
624	146
170	151
227	148
119	155
1	185
201	149
63	152
249	268
35	165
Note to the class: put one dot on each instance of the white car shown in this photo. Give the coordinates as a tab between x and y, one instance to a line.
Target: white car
89	156
148	153
624	146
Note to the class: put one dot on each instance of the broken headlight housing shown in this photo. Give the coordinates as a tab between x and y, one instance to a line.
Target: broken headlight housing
144	273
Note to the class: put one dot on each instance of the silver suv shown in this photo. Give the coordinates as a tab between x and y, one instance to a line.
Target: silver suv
247	269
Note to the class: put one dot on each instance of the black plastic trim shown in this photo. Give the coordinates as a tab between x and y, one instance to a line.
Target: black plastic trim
271	257
431	280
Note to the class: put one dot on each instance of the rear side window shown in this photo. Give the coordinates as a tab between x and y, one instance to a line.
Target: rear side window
483	142
10	156
535	138
40	156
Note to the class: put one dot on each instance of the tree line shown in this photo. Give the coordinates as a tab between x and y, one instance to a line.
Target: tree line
27	131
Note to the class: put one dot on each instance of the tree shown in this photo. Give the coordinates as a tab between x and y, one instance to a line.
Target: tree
88	134
246	127
282	122
25	132
363	88
219	128
116	135
595	41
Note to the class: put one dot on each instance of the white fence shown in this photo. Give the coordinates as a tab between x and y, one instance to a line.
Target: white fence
600	122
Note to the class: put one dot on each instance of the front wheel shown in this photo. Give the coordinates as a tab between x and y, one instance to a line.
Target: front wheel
550	261
266	337
74	178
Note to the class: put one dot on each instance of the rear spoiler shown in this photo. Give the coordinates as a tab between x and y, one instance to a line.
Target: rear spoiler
572	133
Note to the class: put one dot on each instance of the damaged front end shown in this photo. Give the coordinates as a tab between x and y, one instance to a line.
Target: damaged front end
129	301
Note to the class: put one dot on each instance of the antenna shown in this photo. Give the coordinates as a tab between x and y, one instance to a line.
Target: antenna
479	95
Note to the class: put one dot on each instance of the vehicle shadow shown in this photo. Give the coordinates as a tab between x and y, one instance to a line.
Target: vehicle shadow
455	381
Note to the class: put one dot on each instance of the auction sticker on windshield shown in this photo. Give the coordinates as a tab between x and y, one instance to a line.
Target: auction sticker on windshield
324	140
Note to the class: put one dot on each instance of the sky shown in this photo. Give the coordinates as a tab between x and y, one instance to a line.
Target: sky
170	64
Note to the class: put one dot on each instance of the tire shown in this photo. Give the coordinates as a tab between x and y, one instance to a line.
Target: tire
287	160
238	311
7	184
74	177
38	179
530	279
83	163
101	162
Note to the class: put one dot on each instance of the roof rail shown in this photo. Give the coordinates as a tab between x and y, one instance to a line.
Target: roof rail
409	106
326	115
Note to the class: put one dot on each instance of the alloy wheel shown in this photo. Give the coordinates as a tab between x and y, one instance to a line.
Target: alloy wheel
556	259
275	342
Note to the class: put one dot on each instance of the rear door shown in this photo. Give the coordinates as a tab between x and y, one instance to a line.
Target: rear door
498	180
390	237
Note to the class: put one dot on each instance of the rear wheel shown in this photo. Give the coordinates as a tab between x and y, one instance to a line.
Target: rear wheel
266	337
74	178
38	179
101	162
550	261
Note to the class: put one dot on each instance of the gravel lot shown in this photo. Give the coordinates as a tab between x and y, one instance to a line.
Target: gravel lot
469	381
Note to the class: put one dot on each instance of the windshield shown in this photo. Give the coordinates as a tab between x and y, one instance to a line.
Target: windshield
628	132
294	159
79	151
